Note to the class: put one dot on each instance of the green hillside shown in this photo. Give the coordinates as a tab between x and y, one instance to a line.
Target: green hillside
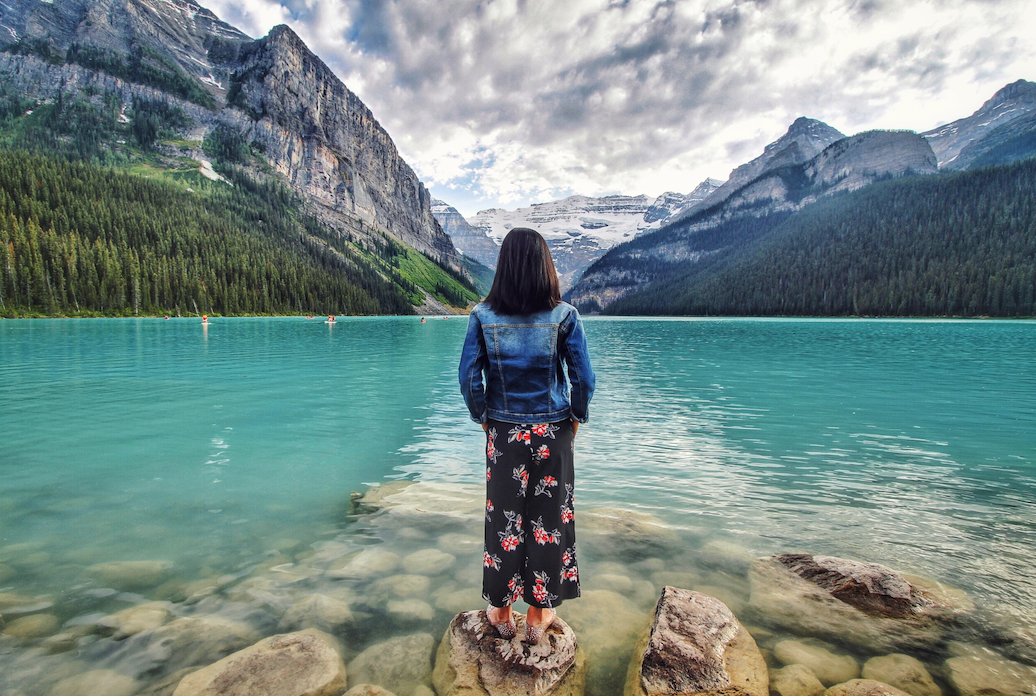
104	212
961	244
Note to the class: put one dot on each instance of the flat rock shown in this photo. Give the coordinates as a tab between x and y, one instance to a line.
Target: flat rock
16	604
143	617
455	543
130	575
428	562
865	604
420	503
305	663
96	682
32	626
863	687
978	671
399	664
904	672
317	610
201	640
608	627
794	680
828	667
696	646
474	661
369	563
402	586
624	534
454	601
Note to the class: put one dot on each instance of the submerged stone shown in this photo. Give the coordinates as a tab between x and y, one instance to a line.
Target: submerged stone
317	611
474	661
130	575
370	563
904	672
428	562
32	626
98	681
829	668
979	671
846	601
794	680
863	687
200	640
696	646
623	534
306	663
399	664
144	617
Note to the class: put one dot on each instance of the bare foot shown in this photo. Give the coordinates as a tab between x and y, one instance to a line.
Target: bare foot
498	615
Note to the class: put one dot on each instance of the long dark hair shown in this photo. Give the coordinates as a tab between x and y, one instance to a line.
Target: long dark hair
526	280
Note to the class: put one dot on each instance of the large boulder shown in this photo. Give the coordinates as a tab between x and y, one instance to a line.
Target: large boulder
978	671
829	667
306	663
474	661
865	604
399	664
696	646
903	672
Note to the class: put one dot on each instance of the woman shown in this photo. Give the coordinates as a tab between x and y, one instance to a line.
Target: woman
513	383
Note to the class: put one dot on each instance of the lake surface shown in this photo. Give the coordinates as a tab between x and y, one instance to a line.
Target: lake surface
213	449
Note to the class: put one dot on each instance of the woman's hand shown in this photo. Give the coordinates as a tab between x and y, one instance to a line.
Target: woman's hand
485	426
575	427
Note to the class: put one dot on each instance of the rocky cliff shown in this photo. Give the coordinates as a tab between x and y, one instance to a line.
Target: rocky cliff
1013	101
473	243
845	165
274	92
805	139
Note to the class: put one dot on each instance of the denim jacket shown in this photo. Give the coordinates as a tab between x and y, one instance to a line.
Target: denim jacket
521	359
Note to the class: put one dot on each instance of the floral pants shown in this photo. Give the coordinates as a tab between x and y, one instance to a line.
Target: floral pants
530	547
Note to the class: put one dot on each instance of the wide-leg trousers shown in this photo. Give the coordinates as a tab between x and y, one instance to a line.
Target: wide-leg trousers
530	545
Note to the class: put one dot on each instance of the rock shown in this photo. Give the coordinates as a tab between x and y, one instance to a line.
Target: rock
610	581
863	687
6	572
474	661
369	563
410	610
454	601
32	626
399	664
422	691
903	672
428	562
369	690
167	684
403	586
734	601
696	646
96	682
684	580
828	667
461	544
306	663
15	604
317	611
68	639
144	617
201	640
373	498
624	534
608	629
862	603
978	671
130	575
794	680
726	555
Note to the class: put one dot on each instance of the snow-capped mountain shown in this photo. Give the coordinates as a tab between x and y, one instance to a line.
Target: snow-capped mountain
473	243
1013	101
580	229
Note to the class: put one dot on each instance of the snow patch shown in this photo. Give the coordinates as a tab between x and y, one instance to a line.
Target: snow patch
208	172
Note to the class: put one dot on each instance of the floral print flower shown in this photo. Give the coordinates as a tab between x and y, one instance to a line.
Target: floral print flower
519	433
490	561
542	536
542	452
521	474
547	482
545	430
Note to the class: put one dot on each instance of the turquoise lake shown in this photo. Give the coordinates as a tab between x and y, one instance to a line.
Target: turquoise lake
906	443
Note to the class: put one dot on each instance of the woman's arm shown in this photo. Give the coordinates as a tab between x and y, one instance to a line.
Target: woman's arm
580	373
472	365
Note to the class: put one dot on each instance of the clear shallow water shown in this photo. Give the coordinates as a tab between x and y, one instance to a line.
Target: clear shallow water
909	443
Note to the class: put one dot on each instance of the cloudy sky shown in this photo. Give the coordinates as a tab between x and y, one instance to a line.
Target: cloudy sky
501	103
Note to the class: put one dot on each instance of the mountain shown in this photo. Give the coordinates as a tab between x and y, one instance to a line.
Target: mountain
805	139
750	210
164	86
473	243
952	244
580	229
1014	101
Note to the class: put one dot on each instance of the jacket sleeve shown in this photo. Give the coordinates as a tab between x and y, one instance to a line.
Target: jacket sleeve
472	365
580	374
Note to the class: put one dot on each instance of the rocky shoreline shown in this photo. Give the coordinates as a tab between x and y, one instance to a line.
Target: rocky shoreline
385	608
